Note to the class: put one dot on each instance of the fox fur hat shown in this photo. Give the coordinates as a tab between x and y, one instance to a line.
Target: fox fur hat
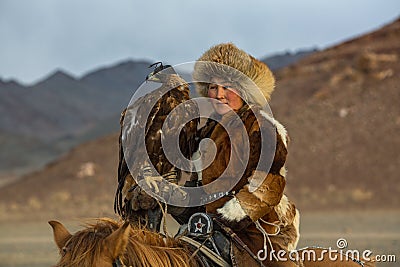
253	79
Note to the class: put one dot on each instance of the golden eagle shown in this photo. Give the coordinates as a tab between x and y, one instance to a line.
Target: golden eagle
144	119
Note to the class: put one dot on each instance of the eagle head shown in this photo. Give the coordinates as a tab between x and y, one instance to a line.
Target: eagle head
160	73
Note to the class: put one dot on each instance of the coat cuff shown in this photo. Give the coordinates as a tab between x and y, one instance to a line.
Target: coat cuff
232	211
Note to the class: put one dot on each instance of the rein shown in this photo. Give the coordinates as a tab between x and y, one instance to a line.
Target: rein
118	263
206	251
238	241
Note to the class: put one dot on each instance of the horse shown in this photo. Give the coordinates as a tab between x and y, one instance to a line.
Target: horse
108	243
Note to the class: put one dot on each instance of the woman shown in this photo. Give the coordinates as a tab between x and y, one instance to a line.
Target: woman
255	208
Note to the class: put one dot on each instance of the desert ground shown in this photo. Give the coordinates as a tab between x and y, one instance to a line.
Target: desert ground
31	243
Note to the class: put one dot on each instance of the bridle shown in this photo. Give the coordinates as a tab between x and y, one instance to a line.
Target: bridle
118	263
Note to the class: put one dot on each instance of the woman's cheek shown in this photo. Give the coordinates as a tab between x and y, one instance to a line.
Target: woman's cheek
234	99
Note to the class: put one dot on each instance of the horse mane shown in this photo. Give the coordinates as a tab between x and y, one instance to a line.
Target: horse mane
145	248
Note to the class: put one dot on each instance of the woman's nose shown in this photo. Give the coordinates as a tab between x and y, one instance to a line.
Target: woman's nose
220	92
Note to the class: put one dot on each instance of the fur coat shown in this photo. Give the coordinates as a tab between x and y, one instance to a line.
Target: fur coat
256	208
244	207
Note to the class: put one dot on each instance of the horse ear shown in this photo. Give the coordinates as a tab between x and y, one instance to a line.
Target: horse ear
61	234
118	240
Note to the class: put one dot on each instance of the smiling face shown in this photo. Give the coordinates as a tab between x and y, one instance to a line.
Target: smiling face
227	96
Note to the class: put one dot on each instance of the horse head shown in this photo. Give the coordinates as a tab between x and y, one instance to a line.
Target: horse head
100	245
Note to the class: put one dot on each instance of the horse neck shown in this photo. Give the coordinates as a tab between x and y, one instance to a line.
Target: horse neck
151	249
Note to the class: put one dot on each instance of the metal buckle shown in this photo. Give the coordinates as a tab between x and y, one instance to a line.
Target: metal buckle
200	224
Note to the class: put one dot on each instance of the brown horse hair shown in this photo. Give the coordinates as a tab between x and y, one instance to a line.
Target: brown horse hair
144	248
147	249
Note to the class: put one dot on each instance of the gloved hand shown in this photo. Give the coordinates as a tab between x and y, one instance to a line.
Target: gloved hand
141	200
164	187
182	213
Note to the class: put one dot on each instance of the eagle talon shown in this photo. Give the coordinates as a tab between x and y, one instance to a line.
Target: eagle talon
181	191
171	189
152	182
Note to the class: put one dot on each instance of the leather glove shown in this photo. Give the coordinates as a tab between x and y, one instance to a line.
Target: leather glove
141	200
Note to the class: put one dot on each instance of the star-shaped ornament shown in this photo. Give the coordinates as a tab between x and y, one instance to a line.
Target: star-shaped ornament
199	226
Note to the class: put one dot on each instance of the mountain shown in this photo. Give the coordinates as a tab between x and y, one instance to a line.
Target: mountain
61	111
340	107
278	61
61	105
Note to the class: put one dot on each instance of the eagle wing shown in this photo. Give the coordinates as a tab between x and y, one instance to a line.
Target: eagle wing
172	95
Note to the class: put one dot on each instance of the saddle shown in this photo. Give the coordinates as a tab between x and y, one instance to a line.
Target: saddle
211	240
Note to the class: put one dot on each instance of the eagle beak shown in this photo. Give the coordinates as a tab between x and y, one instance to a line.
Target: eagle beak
152	77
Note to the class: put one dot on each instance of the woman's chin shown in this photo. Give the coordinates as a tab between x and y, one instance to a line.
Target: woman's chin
222	109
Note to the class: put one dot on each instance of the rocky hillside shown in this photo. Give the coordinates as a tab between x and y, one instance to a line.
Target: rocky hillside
341	108
280	61
80	184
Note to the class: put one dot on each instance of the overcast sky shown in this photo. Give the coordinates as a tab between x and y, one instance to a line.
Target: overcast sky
39	36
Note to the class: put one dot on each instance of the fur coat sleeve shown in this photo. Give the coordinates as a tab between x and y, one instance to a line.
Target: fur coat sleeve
264	186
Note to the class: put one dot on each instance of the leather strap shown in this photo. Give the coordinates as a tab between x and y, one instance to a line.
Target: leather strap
206	251
238	241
